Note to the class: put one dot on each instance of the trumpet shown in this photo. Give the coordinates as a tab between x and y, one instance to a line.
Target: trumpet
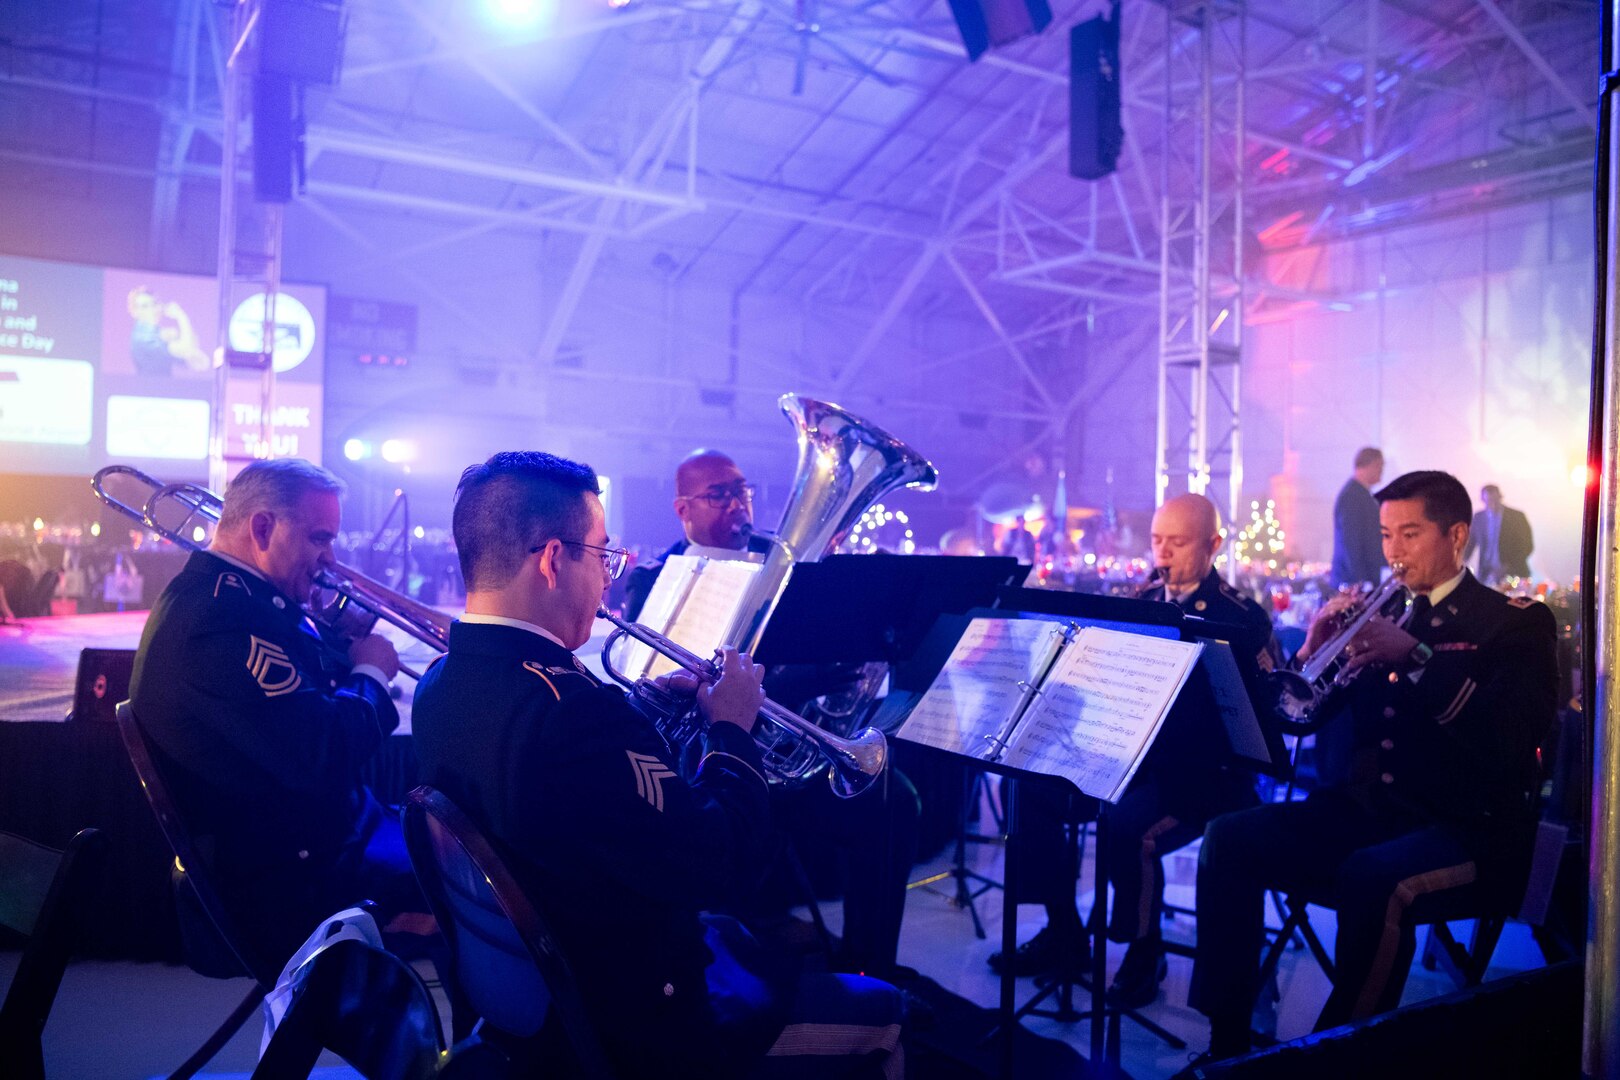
1300	696
184	513
792	746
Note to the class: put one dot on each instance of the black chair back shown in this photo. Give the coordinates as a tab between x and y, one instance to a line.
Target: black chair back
504	958
195	890
41	890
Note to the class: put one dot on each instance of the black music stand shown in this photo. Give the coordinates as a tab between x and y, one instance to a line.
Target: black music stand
1114	613
856	608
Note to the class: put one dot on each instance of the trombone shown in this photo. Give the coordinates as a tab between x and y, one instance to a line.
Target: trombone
793	747
360	601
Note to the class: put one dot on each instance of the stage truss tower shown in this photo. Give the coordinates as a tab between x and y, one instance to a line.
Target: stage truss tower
249	264
1199	446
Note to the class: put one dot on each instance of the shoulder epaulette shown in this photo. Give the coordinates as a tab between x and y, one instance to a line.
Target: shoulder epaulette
1522	601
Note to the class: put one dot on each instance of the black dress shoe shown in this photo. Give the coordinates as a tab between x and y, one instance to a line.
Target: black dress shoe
1136	983
1049	951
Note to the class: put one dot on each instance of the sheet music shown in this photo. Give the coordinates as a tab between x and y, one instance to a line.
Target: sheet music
978	691
675	580
711	606
1100	708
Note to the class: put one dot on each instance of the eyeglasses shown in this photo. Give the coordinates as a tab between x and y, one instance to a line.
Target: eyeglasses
613	559
720	498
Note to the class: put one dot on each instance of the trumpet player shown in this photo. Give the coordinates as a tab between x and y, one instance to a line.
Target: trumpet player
261	735
582	794
1436	815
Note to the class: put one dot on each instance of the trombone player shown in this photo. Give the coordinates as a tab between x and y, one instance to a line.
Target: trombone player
261	731
1436	816
582	794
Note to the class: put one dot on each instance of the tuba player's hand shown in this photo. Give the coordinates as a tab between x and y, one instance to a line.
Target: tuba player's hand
737	695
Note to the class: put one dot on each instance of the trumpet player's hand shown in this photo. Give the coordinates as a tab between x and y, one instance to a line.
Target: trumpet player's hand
737	695
378	651
1380	642
679	683
1329	621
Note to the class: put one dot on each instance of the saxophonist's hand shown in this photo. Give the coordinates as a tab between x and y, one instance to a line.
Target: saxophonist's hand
737	695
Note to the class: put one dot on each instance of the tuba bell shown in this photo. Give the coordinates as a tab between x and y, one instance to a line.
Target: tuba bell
845	465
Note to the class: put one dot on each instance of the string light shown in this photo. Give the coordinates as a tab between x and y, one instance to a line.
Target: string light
1262	539
862	541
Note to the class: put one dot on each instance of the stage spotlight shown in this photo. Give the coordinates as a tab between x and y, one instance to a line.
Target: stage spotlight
398	451
199	534
356	449
419	532
95	528
517	13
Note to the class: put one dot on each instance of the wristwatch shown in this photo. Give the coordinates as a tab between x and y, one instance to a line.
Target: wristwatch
1419	655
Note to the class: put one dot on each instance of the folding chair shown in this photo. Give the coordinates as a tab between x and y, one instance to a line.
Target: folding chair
40	888
371	1009
503	956
193	882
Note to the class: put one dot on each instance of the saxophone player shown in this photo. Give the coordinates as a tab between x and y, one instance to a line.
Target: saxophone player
1435	817
581	793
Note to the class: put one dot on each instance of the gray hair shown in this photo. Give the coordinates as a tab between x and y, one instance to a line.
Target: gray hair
276	486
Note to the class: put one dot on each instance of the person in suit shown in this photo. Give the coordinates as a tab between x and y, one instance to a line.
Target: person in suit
262	730
1502	537
1437	814
581	794
1357	559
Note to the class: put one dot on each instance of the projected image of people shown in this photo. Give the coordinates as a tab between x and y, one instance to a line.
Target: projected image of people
162	335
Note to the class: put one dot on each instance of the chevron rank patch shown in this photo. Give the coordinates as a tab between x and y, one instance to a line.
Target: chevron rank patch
650	776
271	668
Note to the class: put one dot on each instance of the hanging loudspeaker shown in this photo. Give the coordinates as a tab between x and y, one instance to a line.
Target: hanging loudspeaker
1095	133
997	22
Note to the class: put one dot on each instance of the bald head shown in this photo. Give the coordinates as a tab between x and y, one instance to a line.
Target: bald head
1186	534
713	500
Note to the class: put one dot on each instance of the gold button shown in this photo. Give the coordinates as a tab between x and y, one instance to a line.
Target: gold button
1388	744
1387	778
1389	712
303	854
1394	678
669	989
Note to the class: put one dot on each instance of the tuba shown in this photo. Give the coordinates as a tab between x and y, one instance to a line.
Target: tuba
1301	698
184	514
793	749
845	465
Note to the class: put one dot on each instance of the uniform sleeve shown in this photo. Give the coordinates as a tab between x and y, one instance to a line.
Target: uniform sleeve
599	766
1493	705
291	721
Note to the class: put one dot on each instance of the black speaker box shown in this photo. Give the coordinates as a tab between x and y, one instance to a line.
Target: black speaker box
984	23
303	40
273	137
1095	133
103	682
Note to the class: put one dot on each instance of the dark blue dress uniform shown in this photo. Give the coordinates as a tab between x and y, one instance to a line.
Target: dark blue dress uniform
582	796
262	735
1435	818
1185	780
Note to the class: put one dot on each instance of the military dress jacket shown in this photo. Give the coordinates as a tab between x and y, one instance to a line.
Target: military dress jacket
582	796
262	732
1191	756
1452	739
